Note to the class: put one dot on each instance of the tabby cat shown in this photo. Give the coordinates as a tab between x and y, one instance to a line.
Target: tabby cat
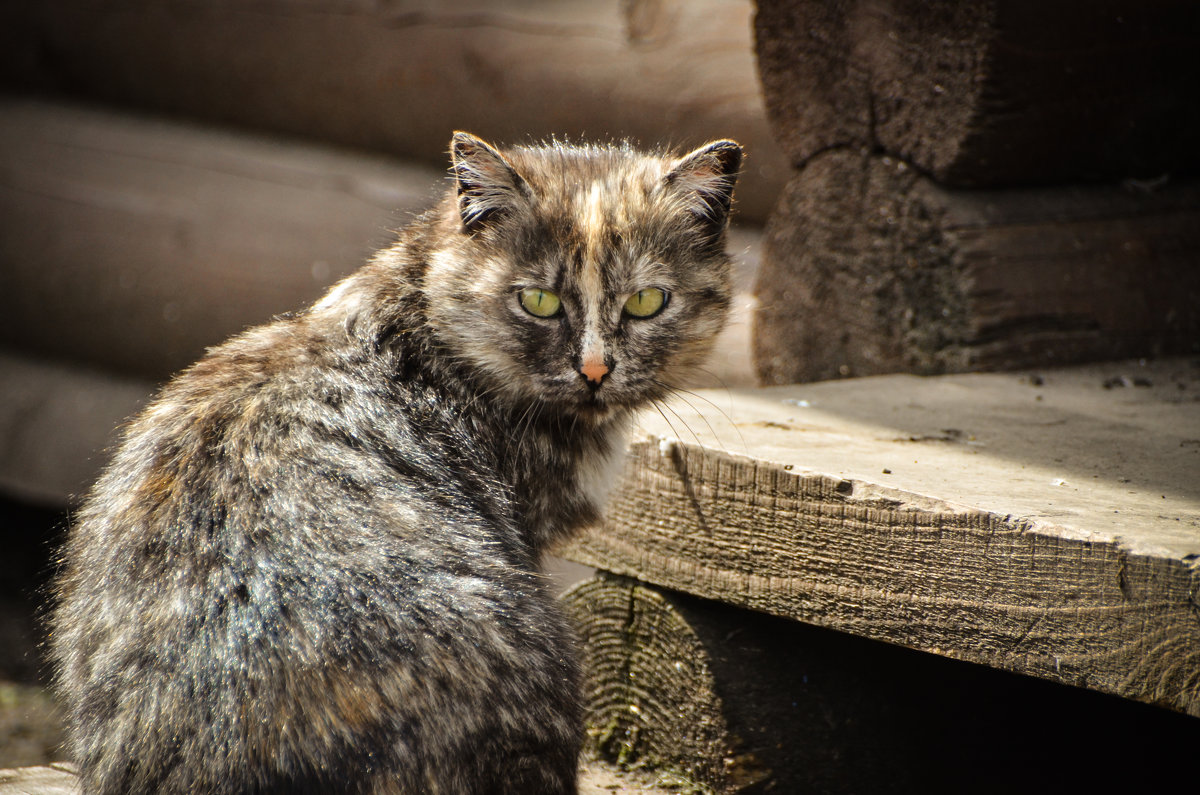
313	562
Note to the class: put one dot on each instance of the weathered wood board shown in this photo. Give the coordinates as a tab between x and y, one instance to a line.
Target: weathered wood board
1042	523
400	76
988	92
870	267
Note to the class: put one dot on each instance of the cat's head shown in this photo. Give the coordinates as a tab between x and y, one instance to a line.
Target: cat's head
586	278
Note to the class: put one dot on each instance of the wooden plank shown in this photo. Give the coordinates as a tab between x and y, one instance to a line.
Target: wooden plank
1050	530
870	267
987	92
400	76
595	778
134	244
56	779
732	700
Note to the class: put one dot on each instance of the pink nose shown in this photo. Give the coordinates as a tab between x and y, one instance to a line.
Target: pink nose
594	371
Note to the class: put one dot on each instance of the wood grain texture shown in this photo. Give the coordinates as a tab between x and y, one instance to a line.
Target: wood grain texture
732	700
1052	531
134	244
987	92
651	698
400	76
869	267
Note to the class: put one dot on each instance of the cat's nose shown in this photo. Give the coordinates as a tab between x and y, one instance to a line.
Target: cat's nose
594	370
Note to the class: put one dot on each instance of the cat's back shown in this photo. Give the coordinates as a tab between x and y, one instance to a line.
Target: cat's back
281	554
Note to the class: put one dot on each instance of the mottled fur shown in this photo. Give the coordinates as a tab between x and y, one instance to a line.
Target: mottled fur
311	565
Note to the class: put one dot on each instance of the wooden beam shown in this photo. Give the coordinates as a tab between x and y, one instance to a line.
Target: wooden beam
134	243
1044	525
869	267
56	422
399	77
987	92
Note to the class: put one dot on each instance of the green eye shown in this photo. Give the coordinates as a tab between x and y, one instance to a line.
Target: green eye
539	302
646	303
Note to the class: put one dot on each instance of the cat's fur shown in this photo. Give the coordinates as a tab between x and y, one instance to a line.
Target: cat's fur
311	565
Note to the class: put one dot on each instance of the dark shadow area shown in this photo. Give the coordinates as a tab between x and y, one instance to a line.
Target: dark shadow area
30	725
833	713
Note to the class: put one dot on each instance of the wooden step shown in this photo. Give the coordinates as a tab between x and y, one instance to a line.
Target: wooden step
1046	523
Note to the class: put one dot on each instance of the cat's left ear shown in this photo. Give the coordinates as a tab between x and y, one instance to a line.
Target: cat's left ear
705	179
488	186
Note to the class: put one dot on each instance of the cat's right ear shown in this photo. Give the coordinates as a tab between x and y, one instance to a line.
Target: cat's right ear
488	186
704	179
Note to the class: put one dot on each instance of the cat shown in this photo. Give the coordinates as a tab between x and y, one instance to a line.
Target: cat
312	564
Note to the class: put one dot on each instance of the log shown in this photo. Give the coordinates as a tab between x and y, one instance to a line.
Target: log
1051	530
133	244
869	267
651	702
400	76
727	700
985	93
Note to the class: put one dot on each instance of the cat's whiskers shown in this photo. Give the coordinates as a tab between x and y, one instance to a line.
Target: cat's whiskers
682	393
713	374
658	406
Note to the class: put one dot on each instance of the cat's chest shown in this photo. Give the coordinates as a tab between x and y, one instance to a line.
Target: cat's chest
560	493
597	471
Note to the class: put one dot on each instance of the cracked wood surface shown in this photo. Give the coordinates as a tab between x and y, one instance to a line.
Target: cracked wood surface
1047	524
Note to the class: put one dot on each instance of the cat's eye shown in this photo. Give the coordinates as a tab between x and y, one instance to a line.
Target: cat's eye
646	303
539	302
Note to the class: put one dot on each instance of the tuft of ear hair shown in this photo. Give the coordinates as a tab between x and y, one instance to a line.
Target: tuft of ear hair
704	179
488	186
